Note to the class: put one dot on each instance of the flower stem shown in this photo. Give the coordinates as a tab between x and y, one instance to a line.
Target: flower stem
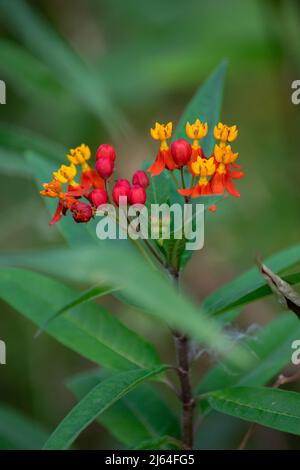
153	251
174	178
186	198
182	178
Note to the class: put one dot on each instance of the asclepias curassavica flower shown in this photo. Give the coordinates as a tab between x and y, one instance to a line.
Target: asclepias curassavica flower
213	174
80	189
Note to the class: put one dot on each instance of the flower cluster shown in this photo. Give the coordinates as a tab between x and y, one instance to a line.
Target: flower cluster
84	197
210	174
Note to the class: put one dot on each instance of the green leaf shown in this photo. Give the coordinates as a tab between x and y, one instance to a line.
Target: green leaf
163	442
274	408
251	285
19	140
271	346
158	191
116	266
206	106
87	329
76	76
99	399
19	432
29	76
139	416
90	294
12	163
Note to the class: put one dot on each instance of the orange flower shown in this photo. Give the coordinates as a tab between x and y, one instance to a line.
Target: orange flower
222	180
52	189
225	133
196	132
164	158
203	167
89	177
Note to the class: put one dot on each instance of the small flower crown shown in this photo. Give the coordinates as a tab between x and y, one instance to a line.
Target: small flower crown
214	173
93	184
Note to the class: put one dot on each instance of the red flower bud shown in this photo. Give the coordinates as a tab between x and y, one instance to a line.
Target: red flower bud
137	194
106	150
123	182
98	197
82	212
140	178
181	152
121	188
105	167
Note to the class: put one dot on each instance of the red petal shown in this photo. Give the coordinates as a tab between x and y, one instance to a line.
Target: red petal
217	184
238	167
76	191
58	213
96	180
169	162
85	180
231	188
213	208
185	192
197	191
206	190
158	166
236	175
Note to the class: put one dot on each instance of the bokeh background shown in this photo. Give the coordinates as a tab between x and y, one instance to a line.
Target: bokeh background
99	71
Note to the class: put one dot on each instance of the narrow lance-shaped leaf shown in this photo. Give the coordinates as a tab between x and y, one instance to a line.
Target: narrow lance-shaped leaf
99	399
271	345
206	106
20	432
20	140
88	329
274	408
116	266
90	294
164	442
74	75
141	415
251	285
29	76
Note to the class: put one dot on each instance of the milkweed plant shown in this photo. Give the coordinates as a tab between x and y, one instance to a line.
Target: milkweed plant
143	400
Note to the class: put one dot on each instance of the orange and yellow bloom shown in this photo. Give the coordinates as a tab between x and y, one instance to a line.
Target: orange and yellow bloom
211	174
93	184
164	159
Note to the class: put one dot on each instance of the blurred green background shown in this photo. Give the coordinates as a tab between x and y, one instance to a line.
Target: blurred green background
99	71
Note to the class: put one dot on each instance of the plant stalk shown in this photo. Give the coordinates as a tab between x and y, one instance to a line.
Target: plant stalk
186	394
188	402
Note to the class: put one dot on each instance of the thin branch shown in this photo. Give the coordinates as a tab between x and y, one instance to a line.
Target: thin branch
174	179
188	402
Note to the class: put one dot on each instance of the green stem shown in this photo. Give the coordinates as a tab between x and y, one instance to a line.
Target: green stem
174	179
182	178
